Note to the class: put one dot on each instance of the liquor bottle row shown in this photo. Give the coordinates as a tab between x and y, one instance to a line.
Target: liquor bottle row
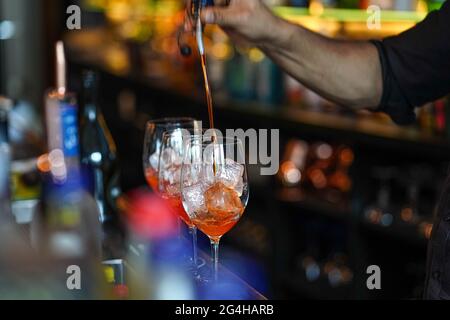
434	118
402	195
68	194
322	256
335	269
319	169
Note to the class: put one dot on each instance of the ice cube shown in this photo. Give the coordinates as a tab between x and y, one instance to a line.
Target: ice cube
230	173
169	158
187	174
207	176
173	189
192	174
193	199
239	187
223	201
154	161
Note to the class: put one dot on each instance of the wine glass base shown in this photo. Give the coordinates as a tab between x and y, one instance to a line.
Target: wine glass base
202	274
189	264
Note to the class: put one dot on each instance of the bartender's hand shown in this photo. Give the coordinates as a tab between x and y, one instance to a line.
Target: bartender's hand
248	21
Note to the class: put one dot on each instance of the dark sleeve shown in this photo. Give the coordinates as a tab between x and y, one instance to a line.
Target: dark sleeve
416	66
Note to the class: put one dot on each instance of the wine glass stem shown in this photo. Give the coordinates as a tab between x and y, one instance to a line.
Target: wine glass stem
215	254
193	231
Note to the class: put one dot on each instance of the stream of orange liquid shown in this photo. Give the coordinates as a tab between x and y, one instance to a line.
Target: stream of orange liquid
209	99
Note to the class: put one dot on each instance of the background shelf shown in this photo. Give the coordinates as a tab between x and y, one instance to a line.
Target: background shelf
350	15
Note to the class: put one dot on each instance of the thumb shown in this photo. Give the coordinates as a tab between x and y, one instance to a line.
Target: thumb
220	16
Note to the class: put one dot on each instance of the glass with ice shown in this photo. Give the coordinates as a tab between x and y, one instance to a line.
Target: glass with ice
152	143
214	187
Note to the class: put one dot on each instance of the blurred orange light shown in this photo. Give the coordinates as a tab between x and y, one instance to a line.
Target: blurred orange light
318	178
222	51
375	215
406	214
426	229
43	164
346	157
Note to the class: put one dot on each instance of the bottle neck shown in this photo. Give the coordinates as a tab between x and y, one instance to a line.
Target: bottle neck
91	110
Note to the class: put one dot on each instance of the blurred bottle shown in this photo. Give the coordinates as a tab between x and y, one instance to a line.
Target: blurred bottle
294	163
69	229
98	150
18	263
269	79
405	5
69	234
427	119
339	179
61	119
241	76
446	102
5	159
294	90
100	163
440	116
337	270
379	212
65	205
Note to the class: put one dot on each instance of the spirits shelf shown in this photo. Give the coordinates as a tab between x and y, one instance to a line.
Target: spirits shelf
351	23
309	204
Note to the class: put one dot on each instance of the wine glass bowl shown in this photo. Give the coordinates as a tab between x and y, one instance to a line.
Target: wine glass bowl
223	209
152	144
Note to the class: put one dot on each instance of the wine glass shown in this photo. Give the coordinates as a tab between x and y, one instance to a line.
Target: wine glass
152	144
169	184
214	186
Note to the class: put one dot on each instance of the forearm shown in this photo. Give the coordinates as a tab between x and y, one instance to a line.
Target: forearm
346	72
